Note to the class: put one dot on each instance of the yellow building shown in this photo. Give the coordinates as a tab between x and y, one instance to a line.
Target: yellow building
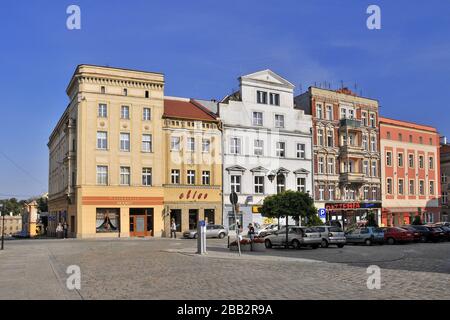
193	176
106	168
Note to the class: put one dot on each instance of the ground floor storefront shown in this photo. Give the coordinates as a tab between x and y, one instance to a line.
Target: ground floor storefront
397	216
352	213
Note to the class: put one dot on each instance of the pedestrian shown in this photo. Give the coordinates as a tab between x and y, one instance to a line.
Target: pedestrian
251	232
65	229
173	229
59	230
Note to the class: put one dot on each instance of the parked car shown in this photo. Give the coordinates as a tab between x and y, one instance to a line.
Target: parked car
436	234
267	229
297	237
394	235
331	235
212	231
420	233
445	224
366	235
446	232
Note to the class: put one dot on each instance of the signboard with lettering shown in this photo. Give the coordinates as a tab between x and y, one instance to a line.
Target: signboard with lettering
352	206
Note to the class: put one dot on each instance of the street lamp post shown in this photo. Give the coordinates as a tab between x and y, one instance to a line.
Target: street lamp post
3	225
271	177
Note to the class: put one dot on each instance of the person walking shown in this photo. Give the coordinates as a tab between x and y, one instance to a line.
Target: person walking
59	231
251	232
173	229
65	229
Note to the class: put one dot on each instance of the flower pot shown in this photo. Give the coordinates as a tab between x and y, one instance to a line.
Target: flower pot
258	247
246	247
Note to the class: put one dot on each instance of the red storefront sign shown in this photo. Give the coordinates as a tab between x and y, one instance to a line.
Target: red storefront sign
343	206
193	196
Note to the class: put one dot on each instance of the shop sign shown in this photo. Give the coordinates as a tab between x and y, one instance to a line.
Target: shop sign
352	206
256	209
193	195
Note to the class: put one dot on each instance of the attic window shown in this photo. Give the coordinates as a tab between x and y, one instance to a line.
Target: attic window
125	92
103	89
147	94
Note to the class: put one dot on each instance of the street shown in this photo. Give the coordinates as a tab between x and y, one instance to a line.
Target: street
170	269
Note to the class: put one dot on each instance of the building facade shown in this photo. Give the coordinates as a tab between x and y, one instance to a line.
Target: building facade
106	169
410	172
13	225
346	153
192	156
445	180
263	134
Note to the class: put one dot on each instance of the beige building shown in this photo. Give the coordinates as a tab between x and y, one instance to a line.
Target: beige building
13	224
193	176
106	169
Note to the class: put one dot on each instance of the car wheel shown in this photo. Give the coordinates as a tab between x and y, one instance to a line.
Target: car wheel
368	242
195	236
221	235
391	241
268	243
423	239
324	243
296	244
340	246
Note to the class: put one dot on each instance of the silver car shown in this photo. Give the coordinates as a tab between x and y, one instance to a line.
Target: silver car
267	229
297	237
331	235
212	231
366	235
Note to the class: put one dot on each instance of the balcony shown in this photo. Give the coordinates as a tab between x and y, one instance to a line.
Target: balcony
350	124
351	151
351	177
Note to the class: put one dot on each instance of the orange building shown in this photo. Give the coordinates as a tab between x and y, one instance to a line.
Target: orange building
410	172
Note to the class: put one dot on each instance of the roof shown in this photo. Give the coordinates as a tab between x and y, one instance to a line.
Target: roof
186	109
406	124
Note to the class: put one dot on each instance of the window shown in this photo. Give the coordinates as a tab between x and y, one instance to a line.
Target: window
281	183
206	145
365	143
235	183
190	144
261	97
389	186
279	121
420	140
373	144
259	184
206	178
321	166
366	193
400	186
329	112
274	99
175	143
372	120
258	147
421	187
400	160
102	110
431	141
301	151
411	160
125	142
366	168
320	137
351	139
331	192
147	143
364	118
257	118
321	192
191	177
400	137
125	176
146	114
102	89
421	162
319	111
301	184
125	92
374	169
330	138
330	166
102	140
412	189
410	138
388	135
147	94
350	193
175	176
374	193
146	176
235	146
102	175
431	163
343	113
444	198
125	112
431	188
444	178
281	149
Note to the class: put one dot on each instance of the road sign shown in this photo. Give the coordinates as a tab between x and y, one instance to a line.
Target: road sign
233	197
202	223
322	213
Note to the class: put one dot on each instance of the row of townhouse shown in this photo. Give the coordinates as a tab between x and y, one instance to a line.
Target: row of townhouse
125	160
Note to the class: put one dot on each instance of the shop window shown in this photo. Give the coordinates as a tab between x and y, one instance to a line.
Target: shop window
210	216
108	220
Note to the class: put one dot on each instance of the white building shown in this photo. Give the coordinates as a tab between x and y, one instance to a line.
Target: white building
263	133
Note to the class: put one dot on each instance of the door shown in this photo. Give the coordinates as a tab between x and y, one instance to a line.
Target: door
141	222
193	219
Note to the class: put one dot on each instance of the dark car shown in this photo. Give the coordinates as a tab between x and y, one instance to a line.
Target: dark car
394	235
436	234
420	233
446	232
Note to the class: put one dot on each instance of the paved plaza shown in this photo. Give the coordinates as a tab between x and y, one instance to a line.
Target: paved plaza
170	269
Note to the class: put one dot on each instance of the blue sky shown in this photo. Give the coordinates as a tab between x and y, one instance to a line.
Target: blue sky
202	47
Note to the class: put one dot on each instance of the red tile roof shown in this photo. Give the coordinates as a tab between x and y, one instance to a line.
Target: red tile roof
192	110
407	124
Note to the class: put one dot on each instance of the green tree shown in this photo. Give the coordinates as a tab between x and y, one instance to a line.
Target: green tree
289	203
371	221
417	221
12	205
314	220
42	204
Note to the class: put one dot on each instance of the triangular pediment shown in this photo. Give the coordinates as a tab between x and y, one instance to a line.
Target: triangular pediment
236	168
280	170
268	76
301	171
259	169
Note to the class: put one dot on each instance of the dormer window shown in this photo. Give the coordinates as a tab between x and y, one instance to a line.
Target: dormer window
261	97
274	99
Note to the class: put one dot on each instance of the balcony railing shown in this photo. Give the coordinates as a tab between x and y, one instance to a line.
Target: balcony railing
351	177
351	123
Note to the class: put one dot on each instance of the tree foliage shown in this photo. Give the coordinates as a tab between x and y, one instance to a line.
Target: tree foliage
12	205
371	221
289	203
417	221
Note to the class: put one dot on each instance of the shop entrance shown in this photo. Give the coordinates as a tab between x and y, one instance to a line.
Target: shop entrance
193	219
175	214
141	222
210	216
